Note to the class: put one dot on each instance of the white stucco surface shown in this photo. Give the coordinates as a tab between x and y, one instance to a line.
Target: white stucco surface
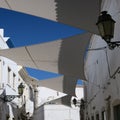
102	69
59	112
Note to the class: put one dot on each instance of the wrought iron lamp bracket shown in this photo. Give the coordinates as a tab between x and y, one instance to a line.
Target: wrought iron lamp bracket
114	44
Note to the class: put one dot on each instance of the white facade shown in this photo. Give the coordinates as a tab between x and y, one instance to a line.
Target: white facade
8	79
59	112
9	82
47	95
50	109
102	68
79	91
25	98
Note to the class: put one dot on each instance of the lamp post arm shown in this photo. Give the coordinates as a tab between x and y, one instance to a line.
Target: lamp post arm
114	44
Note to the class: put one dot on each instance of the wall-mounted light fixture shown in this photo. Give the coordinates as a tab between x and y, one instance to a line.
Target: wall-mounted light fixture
20	89
105	25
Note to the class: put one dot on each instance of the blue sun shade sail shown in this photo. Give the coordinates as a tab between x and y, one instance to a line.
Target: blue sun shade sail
40	74
24	29
79	82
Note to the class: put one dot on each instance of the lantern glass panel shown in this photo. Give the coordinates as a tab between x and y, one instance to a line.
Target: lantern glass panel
112	25
101	29
108	29
106	26
20	91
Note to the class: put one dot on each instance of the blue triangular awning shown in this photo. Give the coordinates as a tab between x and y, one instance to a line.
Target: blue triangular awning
65	57
25	29
41	74
82	14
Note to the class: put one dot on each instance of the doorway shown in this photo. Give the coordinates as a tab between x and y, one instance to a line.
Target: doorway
117	112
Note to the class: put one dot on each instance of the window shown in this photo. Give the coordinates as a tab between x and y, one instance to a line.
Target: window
97	116
117	112
92	118
9	72
14	76
88	118
103	115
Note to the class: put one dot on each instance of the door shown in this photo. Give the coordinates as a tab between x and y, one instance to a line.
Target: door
117	112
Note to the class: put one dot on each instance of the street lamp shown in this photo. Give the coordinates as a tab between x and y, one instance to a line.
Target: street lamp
105	25
20	89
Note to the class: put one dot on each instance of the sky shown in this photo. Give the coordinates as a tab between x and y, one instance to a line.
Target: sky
24	30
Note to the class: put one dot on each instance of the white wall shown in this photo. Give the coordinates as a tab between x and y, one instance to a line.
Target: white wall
59	112
3	40
55	111
11	87
46	94
25	98
9	81
101	65
79	92
5	63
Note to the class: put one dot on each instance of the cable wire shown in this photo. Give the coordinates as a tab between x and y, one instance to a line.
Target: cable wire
8	4
101	48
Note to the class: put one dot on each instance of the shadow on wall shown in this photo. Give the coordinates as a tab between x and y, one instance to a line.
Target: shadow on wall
71	57
4	111
71	62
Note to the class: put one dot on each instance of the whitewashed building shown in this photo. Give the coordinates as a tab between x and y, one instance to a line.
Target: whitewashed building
59	112
102	94
50	108
8	81
102	68
11	104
